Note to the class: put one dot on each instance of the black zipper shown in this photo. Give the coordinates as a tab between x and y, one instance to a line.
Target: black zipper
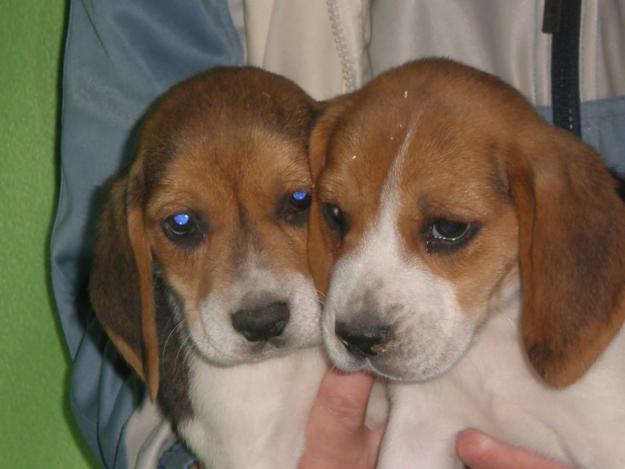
562	19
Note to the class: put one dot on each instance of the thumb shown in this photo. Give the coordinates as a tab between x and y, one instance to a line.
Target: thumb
480	451
336	433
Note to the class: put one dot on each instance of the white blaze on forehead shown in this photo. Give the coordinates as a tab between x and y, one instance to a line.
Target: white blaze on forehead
381	263
392	181
385	229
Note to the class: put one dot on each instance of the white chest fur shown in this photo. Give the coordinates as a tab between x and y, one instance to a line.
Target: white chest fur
252	416
494	389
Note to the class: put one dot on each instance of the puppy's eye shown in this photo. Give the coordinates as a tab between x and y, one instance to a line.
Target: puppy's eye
449	230
183	228
447	235
180	224
336	220
293	208
299	201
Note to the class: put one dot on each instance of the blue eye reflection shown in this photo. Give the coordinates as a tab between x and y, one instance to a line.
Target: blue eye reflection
181	219
297	203
183	226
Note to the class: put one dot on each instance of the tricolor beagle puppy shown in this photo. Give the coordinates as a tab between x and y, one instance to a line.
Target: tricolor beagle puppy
474	256
200	273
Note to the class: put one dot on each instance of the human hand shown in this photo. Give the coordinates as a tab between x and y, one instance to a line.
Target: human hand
336	436
480	451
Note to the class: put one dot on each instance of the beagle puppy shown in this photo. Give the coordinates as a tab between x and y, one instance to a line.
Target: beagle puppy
200	274
473	256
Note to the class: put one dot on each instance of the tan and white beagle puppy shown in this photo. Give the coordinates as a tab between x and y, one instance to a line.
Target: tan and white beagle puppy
200	273
474	256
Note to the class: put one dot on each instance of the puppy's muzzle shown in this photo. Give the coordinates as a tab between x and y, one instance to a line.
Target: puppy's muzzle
367	341
263	323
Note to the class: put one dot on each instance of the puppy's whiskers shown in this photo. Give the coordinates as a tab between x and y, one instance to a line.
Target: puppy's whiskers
177	326
182	348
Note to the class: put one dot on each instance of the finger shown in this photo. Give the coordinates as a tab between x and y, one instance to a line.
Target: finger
479	451
336	435
342	398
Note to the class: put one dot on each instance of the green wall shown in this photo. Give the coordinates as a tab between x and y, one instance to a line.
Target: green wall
36	428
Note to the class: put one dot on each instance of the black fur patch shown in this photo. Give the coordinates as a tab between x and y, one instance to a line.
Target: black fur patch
173	395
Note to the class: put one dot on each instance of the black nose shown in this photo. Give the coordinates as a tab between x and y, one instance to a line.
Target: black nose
262	323
362	341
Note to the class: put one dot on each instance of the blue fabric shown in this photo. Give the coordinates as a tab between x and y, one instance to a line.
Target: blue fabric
603	127
177	456
119	56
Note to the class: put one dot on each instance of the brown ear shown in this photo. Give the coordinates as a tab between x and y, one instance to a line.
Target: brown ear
572	255
121	282
320	258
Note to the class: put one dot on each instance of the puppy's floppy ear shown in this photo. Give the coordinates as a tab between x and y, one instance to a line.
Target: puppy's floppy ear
572	255
121	279
320	242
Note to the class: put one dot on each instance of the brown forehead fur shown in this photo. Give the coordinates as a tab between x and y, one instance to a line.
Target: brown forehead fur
228	146
217	104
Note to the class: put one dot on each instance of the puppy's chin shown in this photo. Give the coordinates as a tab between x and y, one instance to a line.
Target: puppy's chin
415	370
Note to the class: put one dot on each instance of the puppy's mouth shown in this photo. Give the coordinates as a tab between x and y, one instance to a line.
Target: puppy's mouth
386	365
379	364
263	349
386	356
355	349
